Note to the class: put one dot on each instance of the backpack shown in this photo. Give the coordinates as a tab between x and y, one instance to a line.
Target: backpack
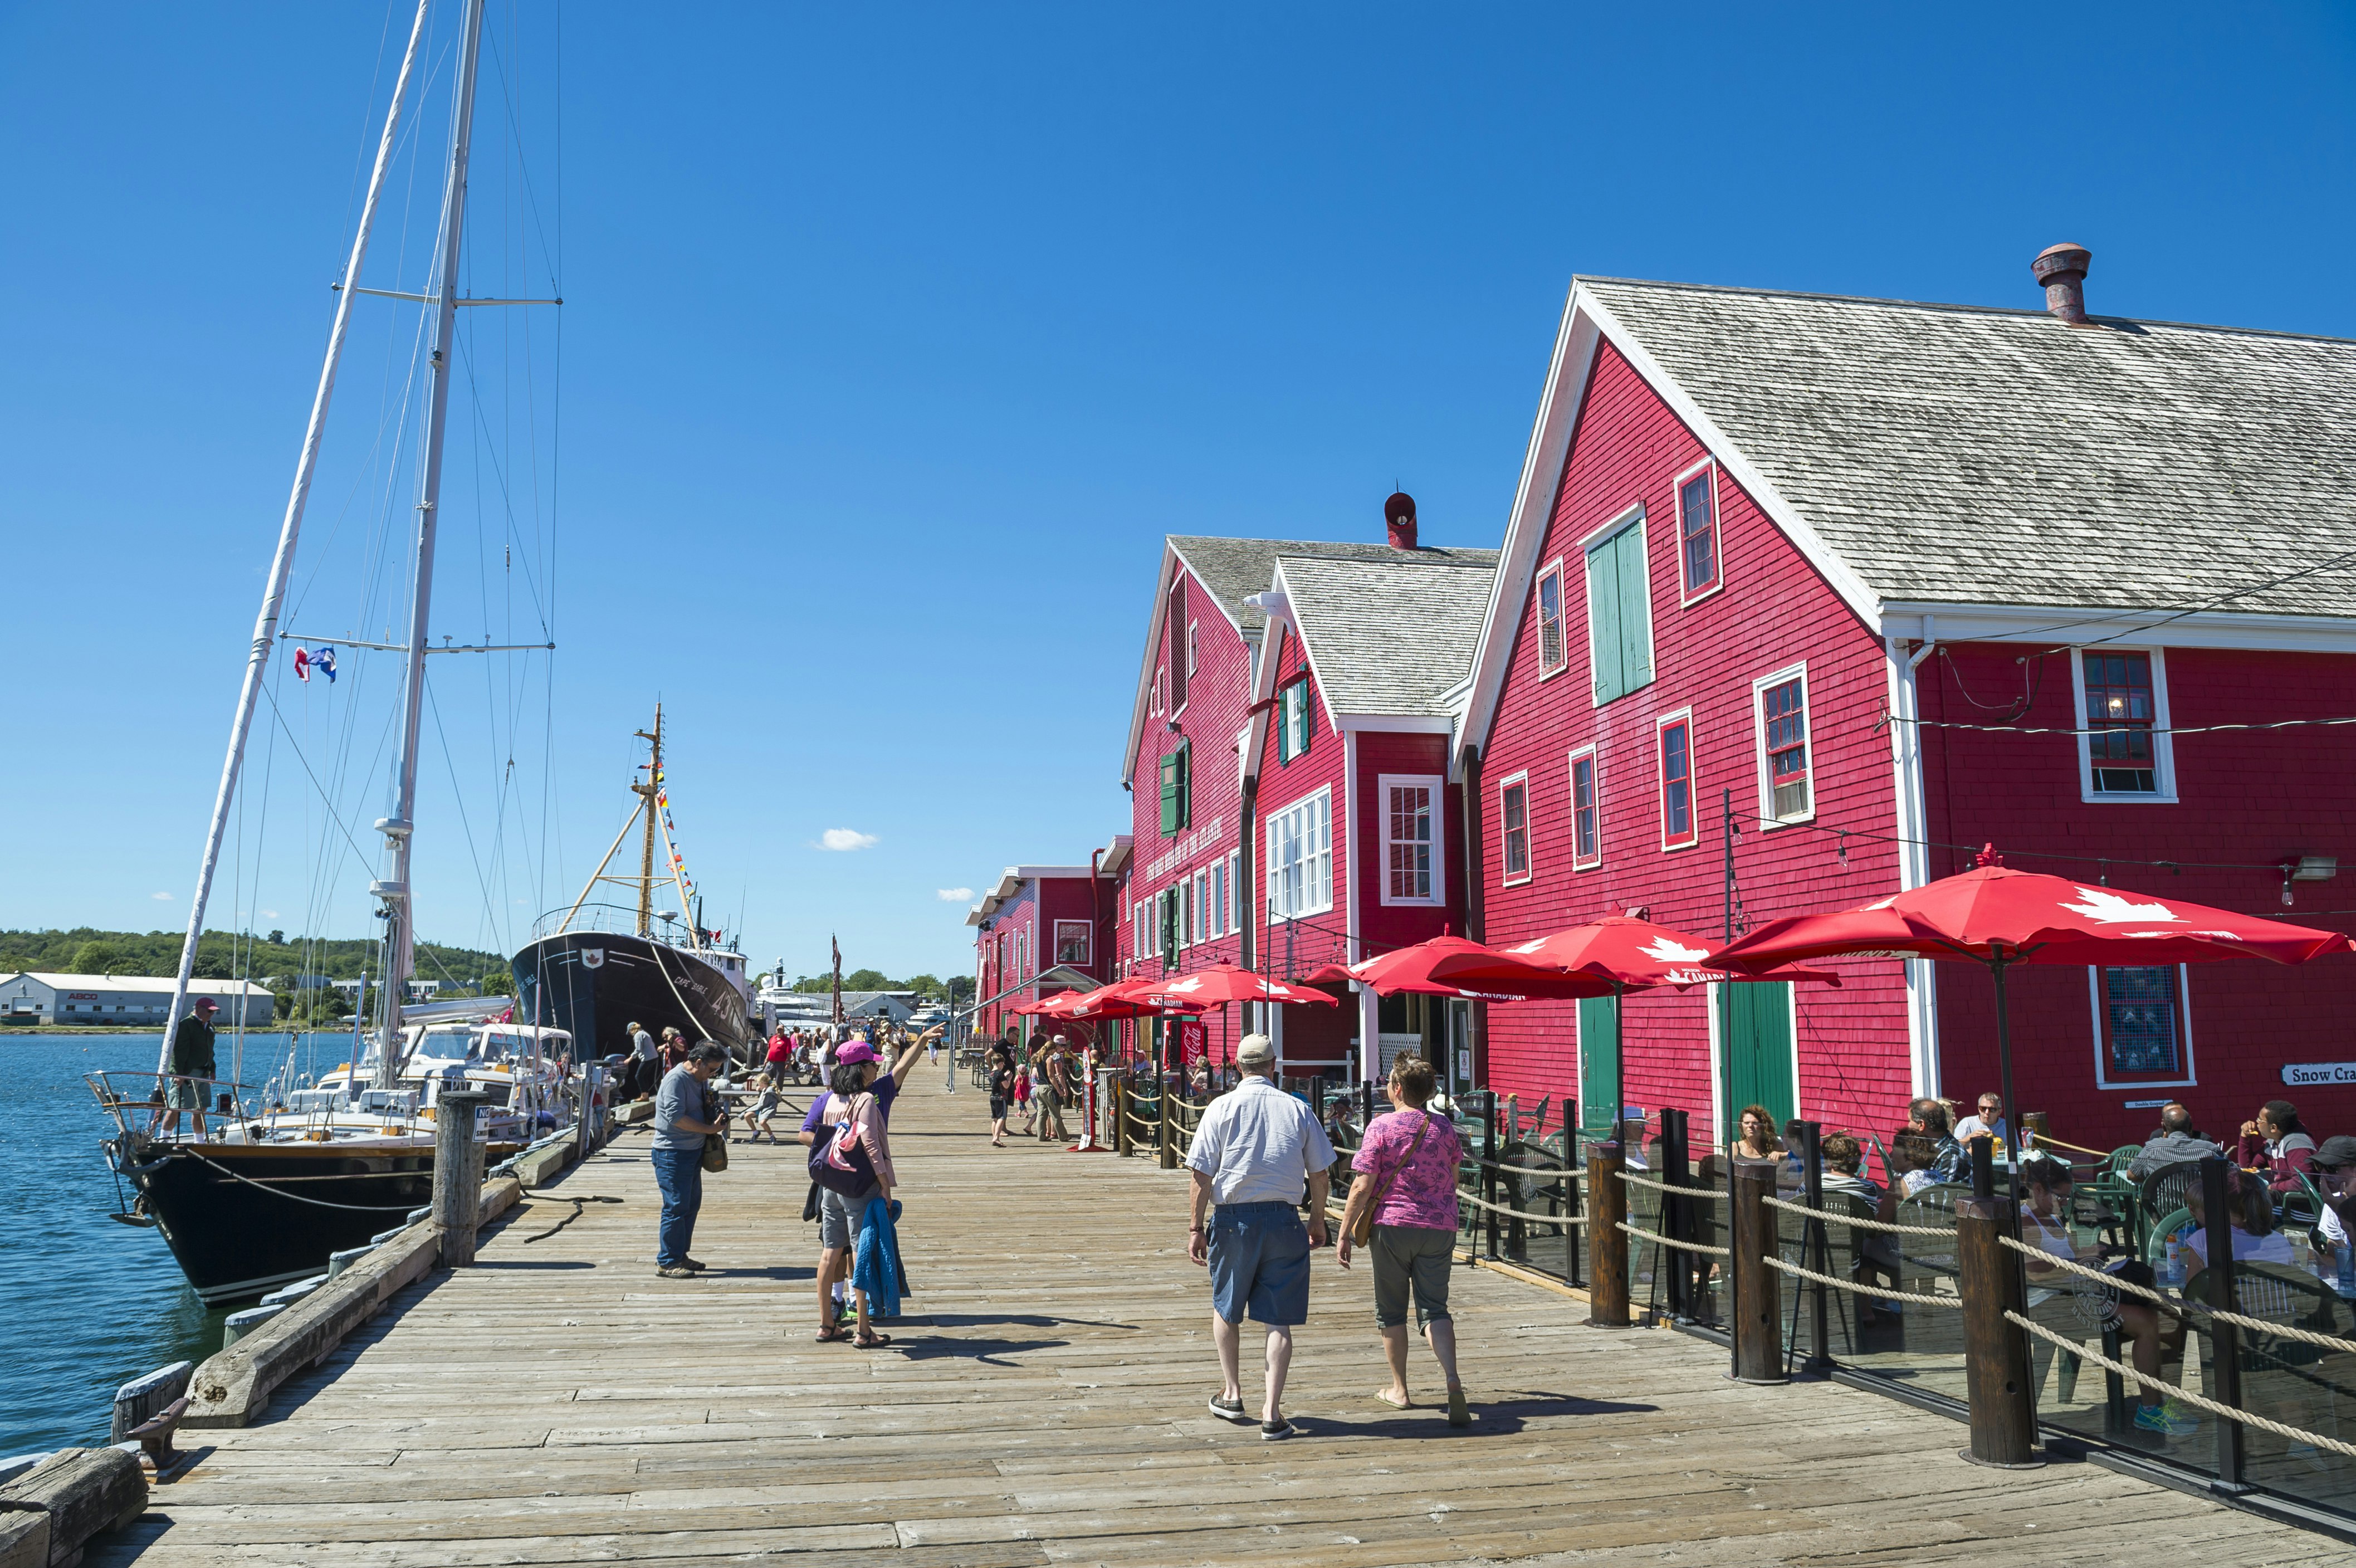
837	1162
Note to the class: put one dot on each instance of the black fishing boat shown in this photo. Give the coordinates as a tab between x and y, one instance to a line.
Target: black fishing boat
600	967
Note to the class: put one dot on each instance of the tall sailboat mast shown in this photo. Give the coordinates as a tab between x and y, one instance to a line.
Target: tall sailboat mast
274	597
393	890
648	791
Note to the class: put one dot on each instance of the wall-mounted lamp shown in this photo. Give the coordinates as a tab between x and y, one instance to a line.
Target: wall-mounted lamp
2308	868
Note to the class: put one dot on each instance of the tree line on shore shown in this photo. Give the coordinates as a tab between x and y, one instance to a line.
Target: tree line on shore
267	956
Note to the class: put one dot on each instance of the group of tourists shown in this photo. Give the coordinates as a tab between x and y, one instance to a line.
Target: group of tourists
1258	1156
1038	1085
848	1131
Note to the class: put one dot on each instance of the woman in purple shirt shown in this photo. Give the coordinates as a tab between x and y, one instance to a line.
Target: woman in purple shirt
1406	1167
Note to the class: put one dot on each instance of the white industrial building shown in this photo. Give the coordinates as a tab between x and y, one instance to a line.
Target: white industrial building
131	1000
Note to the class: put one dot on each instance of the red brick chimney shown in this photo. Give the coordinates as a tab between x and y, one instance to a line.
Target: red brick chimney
2062	270
1398	517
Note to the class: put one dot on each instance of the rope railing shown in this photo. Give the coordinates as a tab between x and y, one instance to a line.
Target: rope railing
1479	1202
2175	1390
1673	1242
2185	1307
1954	1303
1832	1218
1713	1194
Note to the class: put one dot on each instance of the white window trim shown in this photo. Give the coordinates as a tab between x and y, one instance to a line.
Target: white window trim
1693	787
1594	753
1201	883
2102	1079
1193	664
1323	793
1236	914
1088	941
1438	787
1767	818
1285	756
2163	753
1634	518
1554	569
1529	844
1717	530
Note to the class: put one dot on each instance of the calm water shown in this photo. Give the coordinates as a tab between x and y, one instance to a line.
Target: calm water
86	1304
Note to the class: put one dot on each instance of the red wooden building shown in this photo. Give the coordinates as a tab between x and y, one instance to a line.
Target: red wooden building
1044	928
1805	598
1282	682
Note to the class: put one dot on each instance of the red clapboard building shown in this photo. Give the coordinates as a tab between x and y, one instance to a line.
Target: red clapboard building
1800	601
1203	743
1043	929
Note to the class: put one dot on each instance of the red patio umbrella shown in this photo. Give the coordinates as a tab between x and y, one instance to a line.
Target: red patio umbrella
1457	966
1998	917
1223	982
1329	974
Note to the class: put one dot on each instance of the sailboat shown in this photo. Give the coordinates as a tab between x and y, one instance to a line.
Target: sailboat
592	975
261	1190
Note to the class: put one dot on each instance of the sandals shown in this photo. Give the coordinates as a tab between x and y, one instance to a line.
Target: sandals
873	1341
832	1333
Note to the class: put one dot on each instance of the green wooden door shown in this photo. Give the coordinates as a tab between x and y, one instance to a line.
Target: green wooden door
1598	1065
1754	1042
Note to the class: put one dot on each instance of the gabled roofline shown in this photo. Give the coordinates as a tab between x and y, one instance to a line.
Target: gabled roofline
1170	557
1586	324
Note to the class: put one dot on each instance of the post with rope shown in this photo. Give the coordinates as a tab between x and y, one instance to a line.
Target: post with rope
1570	1204
2225	1336
1488	1182
457	1173
1166	1129
1607	1210
1121	1115
1676	1219
1816	1249
1758	1313
1996	1349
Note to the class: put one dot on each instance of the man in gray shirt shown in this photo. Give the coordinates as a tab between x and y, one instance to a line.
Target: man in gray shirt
2178	1142
684	1116
1256	1153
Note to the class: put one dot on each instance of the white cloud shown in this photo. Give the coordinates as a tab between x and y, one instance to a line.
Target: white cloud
270	914
845	839
161	897
956	895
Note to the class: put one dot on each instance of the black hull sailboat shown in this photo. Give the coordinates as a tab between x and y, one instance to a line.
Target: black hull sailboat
595	984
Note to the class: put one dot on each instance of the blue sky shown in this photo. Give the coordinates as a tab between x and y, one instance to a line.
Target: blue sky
896	337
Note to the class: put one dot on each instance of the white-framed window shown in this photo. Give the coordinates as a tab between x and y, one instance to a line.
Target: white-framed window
1190	665
1554	647
1301	856
2122	695
1137	930
1787	790
1236	914
1513	828
1586	774
1292	720
2142	1026
1186	912
1205	926
1215	898
1072	942
1701	566
1413	842
1673	750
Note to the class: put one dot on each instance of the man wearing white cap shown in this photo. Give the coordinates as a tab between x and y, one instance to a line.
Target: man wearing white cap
1258	1151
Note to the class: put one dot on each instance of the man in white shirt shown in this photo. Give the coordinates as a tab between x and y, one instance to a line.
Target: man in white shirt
1989	1123
1258	1151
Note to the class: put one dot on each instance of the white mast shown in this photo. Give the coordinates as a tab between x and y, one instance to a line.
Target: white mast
393	890
265	626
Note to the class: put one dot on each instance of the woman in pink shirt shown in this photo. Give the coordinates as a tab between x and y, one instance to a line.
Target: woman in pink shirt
1406	1167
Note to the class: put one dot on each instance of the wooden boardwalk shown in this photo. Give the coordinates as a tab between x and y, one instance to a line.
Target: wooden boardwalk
559	1403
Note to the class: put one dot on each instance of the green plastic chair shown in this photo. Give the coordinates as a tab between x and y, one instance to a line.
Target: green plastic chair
2155	1251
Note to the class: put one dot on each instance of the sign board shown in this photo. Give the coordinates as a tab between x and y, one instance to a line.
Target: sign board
2307	1075
2147	1104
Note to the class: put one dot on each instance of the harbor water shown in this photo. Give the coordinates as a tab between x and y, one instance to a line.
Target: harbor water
86	1303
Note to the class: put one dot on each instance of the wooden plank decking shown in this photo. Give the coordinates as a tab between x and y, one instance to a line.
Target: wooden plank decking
1043	1405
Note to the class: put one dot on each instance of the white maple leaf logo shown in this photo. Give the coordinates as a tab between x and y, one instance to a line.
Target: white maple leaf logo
2106	908
1529	947
1186	986
1666	950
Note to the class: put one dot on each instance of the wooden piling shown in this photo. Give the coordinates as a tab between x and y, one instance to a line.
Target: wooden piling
1758	1303
1607	1247
1995	1349
457	1173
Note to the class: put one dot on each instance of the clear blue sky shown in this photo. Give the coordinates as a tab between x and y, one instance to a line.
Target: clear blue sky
897	337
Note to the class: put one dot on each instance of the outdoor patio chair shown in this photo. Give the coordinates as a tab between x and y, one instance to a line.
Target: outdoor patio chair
2162	1192
2283	1379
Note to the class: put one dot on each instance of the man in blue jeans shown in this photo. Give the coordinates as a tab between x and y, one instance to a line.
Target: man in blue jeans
1257	1152
684	1117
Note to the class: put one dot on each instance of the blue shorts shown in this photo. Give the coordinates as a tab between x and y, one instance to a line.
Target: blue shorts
1259	1264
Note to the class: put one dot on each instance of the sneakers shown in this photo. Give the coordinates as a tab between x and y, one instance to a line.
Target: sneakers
1227	1409
676	1271
2168	1419
1277	1431
692	1266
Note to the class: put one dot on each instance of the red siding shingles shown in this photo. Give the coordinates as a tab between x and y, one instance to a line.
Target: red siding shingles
1775	610
1296	947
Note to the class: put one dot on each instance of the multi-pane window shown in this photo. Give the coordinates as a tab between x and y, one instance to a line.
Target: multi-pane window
1411	871
1677	782
2121	712
1513	826
1300	857
1215	898
1786	788
2143	1027
1072	942
1292	721
1698	530
1552	654
1586	825
1236	915
1190	647
1186	913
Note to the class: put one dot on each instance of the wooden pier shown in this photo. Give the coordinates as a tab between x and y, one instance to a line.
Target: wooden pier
1043	1403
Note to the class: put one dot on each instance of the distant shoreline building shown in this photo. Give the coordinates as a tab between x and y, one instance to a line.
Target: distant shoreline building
32	997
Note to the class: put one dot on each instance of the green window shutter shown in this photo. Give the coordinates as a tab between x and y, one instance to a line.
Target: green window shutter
1170	766
1603	639
1599	1064
1636	611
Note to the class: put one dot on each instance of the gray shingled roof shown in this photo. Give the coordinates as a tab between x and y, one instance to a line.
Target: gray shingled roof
1389	635
1232	568
1987	456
